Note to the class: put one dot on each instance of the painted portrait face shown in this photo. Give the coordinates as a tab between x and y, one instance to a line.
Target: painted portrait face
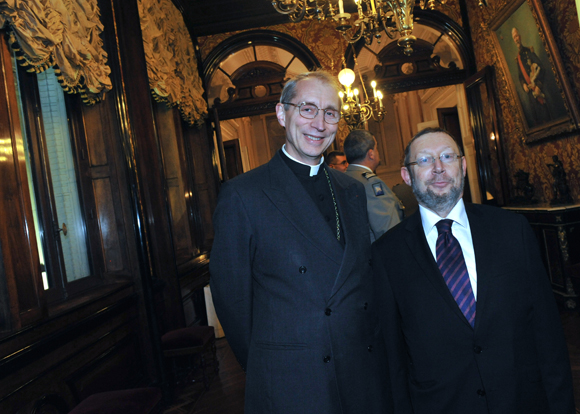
438	186
307	139
517	38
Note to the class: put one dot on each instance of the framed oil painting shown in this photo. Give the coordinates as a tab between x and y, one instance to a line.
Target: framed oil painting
534	71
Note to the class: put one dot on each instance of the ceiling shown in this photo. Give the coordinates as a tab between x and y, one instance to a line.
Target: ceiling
205	17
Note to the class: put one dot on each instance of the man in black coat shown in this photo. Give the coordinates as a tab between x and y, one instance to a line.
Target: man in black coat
485	337
290	271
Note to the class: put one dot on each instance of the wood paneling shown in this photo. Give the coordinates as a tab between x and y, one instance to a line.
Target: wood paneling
111	244
22	283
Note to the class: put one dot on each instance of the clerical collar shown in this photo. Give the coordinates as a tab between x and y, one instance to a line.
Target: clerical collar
313	168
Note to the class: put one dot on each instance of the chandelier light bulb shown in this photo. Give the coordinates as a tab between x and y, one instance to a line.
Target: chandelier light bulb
346	77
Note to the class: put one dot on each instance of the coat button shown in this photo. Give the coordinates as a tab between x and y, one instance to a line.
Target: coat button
328	311
481	393
370	348
302	269
370	262
326	359
477	349
366	306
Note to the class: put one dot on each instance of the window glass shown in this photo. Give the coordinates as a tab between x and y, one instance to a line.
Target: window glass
54	193
35	214
64	183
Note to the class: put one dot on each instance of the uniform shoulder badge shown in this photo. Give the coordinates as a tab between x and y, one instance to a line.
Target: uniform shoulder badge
378	189
369	175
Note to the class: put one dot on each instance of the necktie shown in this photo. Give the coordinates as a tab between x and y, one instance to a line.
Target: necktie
452	265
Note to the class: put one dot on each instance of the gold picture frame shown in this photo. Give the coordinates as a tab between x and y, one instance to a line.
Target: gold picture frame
534	71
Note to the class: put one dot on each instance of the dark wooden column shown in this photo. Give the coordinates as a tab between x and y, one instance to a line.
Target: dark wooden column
143	162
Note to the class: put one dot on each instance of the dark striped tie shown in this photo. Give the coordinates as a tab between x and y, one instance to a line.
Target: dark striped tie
452	265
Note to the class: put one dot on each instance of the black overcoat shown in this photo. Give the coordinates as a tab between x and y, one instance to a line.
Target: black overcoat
297	306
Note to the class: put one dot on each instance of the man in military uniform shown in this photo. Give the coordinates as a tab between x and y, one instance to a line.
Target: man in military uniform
531	78
384	208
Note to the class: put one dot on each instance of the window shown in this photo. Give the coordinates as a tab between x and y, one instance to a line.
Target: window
53	180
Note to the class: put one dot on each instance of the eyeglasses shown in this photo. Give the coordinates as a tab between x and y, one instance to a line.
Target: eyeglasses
341	163
428	160
310	111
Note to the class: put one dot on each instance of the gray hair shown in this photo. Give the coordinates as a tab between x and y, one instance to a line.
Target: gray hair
419	134
357	144
289	91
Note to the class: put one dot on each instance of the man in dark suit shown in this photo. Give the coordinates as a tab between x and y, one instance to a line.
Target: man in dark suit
290	271
467	311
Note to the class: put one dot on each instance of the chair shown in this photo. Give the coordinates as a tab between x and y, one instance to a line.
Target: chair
131	401
190	343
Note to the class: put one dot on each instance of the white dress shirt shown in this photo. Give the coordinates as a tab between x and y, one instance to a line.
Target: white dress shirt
460	230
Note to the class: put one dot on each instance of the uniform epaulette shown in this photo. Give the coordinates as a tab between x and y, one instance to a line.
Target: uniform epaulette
369	175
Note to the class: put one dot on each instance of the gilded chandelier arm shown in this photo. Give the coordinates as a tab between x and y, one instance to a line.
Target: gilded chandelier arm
286	6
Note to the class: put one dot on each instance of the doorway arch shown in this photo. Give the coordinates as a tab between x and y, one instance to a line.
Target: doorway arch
260	60
244	76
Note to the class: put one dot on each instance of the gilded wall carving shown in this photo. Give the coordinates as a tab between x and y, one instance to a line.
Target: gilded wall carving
563	21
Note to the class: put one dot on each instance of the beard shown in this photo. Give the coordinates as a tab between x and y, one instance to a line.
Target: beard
438	202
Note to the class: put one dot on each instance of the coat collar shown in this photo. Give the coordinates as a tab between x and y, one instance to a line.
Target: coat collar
289	196
293	201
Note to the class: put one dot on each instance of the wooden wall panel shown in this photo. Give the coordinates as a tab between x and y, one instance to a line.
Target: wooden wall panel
19	250
205	177
75	353
106	216
97	123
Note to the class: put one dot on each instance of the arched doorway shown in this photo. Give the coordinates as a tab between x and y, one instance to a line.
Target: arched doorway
245	75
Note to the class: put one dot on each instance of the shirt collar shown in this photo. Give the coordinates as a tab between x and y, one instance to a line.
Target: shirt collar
457	214
362	166
313	168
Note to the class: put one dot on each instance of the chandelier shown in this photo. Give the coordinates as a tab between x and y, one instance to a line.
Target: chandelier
373	17
357	109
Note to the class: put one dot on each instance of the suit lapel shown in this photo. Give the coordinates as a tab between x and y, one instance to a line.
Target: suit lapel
352	221
415	239
290	197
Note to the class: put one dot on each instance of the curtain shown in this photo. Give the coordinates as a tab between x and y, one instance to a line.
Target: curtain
171	61
60	33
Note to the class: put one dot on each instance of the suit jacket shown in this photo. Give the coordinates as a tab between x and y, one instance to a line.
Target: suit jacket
383	206
513	361
296	306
